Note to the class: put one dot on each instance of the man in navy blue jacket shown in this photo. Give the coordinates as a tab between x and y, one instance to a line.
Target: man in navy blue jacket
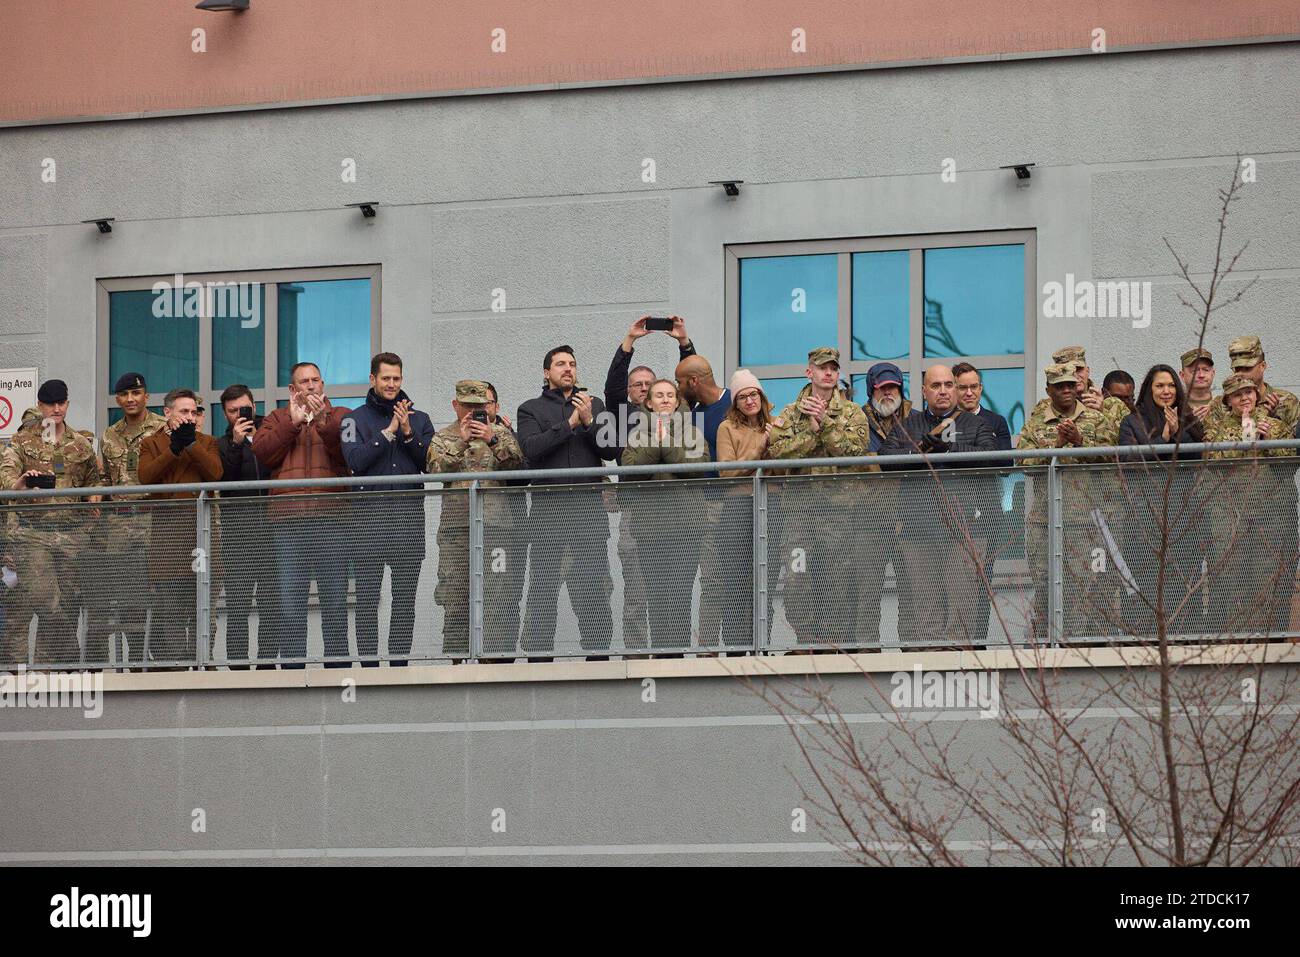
386	436
970	392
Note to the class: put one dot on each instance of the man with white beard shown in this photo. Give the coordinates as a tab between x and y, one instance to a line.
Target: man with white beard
877	541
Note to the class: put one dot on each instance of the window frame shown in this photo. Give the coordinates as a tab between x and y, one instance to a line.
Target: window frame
915	245
271	393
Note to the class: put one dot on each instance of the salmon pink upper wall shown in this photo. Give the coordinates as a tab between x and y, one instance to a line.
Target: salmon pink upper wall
64	59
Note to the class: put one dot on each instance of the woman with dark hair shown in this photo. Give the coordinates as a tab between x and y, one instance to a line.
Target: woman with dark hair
1162	416
1174	524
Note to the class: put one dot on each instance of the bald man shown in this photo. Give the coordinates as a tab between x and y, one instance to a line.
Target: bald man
942	522
709	404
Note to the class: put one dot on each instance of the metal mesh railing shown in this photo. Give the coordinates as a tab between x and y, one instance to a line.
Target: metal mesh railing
928	557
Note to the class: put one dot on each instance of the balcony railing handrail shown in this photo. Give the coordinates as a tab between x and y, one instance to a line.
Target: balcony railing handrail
686	468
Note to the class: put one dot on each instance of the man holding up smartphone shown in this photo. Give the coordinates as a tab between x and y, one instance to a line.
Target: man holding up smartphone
44	542
473	443
178	454
246	543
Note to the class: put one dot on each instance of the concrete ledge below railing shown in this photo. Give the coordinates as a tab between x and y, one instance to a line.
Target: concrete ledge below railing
1000	659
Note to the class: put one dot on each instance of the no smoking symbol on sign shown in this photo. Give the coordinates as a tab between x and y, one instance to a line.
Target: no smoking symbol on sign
6	412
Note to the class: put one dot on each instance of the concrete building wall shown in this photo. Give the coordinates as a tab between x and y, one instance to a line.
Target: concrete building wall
541	195
598	766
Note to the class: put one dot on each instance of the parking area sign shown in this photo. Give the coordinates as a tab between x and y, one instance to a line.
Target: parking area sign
17	394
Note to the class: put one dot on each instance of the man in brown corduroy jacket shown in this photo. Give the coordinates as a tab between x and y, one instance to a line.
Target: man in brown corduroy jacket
311	529
176	454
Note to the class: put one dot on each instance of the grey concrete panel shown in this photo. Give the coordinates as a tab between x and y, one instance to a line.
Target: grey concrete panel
24	264
1134	210
557	254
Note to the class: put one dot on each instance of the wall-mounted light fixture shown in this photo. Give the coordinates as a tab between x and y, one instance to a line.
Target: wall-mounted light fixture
1022	173
731	187
367	208
104	223
221	6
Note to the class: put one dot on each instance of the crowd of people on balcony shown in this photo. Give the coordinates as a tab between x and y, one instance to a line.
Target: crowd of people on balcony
125	560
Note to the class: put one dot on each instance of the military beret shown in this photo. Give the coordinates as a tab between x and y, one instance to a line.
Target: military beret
1191	355
1070	354
1235	383
822	355
1245	351
1061	372
127	381
471	392
54	390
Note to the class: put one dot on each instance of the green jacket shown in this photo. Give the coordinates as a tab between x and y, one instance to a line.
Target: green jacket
845	431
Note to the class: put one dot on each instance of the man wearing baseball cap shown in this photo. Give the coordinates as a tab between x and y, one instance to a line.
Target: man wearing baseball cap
45	541
1063	422
1198	379
821	593
123	531
1112	408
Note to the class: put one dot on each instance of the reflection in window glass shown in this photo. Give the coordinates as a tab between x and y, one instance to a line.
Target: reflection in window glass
326	322
163	350
781	392
880	294
1004	393
239	347
975	301
788	307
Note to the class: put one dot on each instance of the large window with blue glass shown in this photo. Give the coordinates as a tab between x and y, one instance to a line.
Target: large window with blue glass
912	301
208	331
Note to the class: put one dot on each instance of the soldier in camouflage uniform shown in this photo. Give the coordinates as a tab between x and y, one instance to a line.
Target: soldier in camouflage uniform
1247	355
1198	379
818	547
44	541
112	580
470	445
1112	408
1063	422
1250	574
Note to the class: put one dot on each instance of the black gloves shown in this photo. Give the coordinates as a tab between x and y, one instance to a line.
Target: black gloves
182	436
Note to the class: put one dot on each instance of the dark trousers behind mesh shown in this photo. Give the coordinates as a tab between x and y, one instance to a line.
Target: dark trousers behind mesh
557	522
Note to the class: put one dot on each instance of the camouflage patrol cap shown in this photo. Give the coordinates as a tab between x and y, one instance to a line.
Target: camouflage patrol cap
1235	383
1070	354
1191	355
822	355
1061	372
1245	352
471	392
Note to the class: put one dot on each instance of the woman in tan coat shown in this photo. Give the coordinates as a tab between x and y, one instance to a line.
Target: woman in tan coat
742	437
